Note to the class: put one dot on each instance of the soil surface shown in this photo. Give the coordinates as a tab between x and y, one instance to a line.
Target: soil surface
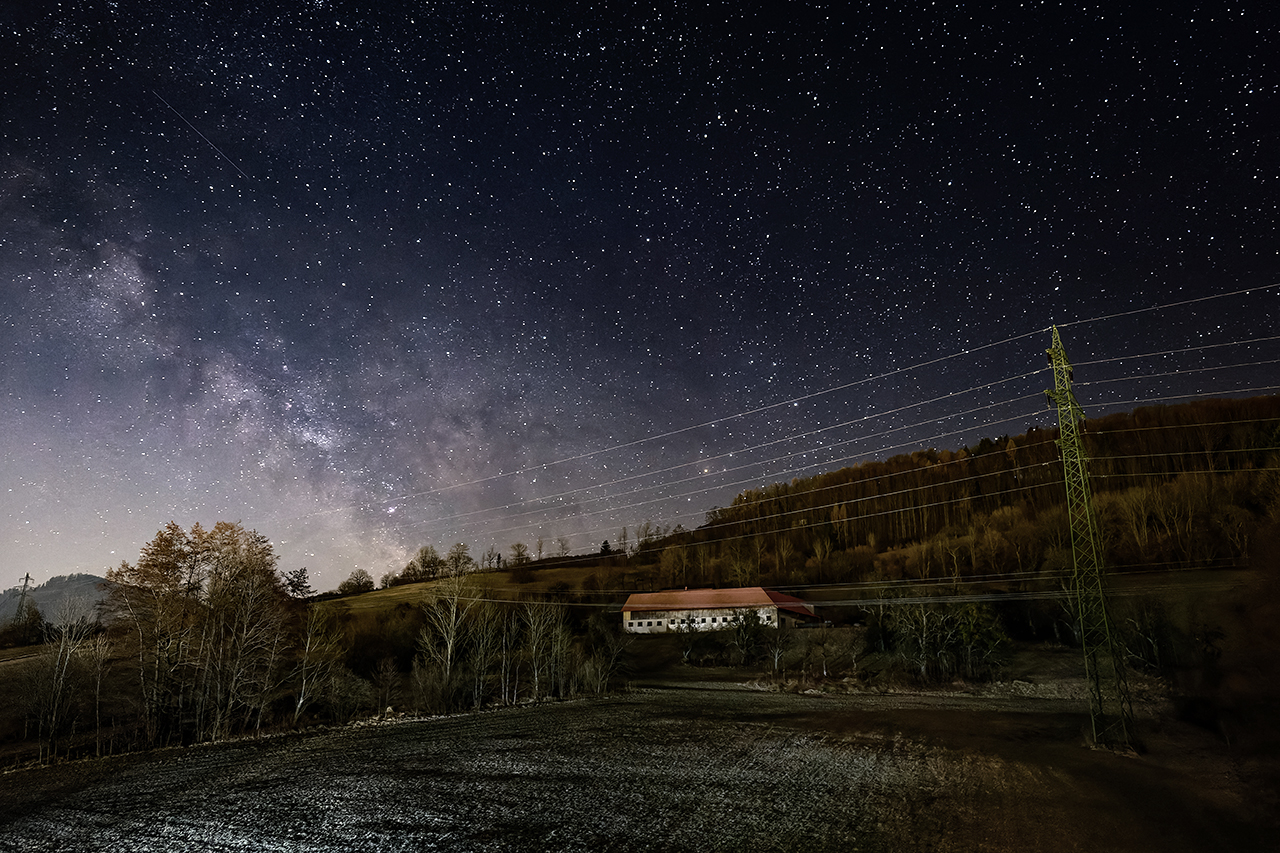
695	763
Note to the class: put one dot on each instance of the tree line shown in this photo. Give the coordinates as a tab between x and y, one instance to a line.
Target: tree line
428	564
916	640
203	639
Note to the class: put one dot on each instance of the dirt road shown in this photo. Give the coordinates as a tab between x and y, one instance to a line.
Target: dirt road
663	770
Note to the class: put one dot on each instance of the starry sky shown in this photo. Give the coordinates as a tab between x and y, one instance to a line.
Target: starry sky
371	276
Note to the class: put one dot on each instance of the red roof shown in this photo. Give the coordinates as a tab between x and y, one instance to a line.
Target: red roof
737	598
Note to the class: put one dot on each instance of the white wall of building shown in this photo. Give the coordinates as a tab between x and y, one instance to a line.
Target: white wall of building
720	619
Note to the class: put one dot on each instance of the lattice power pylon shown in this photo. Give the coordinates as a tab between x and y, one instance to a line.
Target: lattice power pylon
1110	709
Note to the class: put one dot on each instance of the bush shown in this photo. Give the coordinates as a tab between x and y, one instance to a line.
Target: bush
941	641
347	694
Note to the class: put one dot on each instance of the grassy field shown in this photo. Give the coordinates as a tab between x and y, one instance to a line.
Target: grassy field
497	585
19	652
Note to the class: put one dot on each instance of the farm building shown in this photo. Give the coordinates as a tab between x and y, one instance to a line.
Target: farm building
710	609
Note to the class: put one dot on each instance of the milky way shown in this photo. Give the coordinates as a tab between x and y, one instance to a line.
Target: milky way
371	278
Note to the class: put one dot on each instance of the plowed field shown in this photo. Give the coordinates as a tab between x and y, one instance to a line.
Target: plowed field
703	767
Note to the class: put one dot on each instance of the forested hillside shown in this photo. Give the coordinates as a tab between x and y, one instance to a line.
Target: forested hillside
1175	486
50	594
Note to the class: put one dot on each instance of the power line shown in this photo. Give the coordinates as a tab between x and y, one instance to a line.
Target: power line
1181	371
1168	305
1198	395
797	436
614	508
775	442
1175	352
796	400
619	508
699	513
809	510
758	463
906	591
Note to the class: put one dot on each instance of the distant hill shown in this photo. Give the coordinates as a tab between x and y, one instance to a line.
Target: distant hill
51	593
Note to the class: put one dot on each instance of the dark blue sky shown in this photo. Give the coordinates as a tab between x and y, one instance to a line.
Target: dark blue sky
371	278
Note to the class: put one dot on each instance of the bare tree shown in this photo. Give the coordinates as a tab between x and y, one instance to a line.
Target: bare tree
608	645
825	646
446	611
647	535
347	693
206	610
778	643
319	646
509	640
486	641
26	628
425	565
55	676
945	640
843	528
540	623
563	662
459	559
385	684
740	563
821	548
674	564
785	550
746	631
562	546
96	653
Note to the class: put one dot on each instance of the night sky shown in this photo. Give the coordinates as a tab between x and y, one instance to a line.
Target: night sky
371	276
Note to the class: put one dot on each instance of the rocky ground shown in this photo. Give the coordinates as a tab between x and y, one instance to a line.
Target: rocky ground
693	765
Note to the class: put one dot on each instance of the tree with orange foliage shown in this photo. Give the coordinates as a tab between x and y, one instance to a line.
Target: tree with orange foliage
205	612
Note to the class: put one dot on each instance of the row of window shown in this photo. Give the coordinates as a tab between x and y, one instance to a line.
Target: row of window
639	623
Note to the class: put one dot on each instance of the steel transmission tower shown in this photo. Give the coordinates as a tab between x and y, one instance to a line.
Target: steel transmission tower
22	599
1110	709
